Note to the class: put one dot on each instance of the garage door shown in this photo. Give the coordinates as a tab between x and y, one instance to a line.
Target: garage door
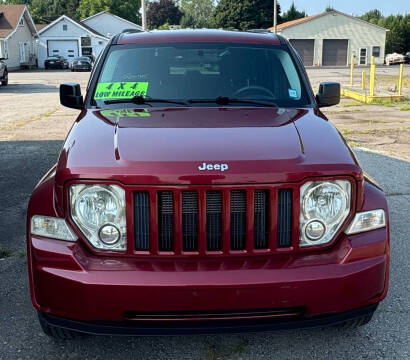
66	48
335	52
304	47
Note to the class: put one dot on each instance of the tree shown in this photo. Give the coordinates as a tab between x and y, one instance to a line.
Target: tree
127	9
293	14
49	10
91	7
16	2
329	8
197	14
372	16
245	14
163	12
398	36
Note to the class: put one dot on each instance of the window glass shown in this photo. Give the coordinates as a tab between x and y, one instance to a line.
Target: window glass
203	71
376	51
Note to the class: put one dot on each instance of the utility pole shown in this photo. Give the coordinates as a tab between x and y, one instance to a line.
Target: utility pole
275	16
144	15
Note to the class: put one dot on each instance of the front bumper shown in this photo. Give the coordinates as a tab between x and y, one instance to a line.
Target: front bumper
209	327
68	282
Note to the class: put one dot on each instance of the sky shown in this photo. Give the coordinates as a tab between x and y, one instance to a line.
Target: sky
355	7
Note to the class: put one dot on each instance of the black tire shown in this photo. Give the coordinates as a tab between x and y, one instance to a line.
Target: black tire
5	80
356	322
59	333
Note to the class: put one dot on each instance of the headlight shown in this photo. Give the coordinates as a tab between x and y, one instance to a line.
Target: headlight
366	221
51	227
324	205
99	212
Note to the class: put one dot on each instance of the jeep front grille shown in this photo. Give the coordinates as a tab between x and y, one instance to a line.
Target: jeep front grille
207	221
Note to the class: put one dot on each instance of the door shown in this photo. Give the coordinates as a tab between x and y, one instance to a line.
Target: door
305	49
334	52
23	52
363	56
65	48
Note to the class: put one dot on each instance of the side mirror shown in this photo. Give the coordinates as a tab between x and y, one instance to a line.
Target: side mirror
329	94
70	96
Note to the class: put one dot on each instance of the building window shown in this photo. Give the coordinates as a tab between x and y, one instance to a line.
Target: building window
85	41
21	22
65	27
376	51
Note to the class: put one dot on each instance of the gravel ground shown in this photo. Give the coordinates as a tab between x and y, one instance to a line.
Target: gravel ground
386	337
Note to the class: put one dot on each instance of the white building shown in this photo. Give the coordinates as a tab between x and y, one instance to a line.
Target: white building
330	38
70	39
109	25
17	37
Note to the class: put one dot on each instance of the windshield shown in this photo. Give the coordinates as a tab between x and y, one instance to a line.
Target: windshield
200	71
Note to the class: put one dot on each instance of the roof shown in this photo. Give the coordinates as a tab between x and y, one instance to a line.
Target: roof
40	26
169	36
10	18
78	23
87	28
312	17
116	16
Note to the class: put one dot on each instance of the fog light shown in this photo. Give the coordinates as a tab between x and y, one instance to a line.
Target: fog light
314	230
109	234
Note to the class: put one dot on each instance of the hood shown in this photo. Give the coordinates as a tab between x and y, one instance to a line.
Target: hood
202	145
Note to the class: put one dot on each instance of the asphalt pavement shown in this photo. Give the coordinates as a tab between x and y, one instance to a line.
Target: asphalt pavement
387	337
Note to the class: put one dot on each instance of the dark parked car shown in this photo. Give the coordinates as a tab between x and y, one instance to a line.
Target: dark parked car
202	189
4	74
56	62
407	58
81	64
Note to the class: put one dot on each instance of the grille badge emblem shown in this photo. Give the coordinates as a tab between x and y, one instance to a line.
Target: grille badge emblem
210	167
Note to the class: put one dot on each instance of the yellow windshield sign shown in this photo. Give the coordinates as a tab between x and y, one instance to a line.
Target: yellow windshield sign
120	90
123	113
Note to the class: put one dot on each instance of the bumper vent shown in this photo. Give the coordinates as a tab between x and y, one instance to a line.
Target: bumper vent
213	221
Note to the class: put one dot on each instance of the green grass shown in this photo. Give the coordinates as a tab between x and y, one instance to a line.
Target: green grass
4	253
405	108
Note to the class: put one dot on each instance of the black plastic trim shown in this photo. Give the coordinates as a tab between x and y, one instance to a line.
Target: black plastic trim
205	327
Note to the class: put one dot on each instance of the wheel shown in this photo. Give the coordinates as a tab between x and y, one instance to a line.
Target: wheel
5	80
72	70
59	333
356	322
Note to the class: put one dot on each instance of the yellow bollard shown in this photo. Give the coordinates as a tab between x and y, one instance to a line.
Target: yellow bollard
401	79
363	80
372	76
351	69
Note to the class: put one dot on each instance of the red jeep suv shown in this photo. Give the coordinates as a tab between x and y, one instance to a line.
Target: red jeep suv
201	189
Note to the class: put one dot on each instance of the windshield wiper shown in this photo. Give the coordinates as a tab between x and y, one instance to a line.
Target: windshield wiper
224	100
140	100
